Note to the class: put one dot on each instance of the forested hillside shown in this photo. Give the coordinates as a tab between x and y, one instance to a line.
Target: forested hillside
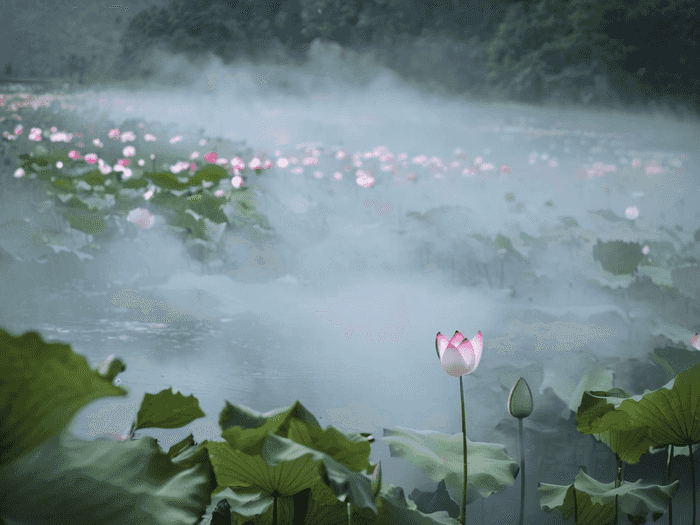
575	52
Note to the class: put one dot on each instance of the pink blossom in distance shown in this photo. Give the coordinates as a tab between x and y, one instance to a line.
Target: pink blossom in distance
141	217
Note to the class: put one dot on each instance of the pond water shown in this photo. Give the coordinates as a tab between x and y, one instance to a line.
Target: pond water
267	342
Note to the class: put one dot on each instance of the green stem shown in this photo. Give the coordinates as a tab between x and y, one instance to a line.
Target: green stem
522	469
618	482
463	517
502	275
692	474
668	479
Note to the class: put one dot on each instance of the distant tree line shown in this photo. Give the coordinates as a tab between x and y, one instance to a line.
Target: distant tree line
533	49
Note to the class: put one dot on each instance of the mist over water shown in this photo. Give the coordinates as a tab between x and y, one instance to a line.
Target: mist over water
268	336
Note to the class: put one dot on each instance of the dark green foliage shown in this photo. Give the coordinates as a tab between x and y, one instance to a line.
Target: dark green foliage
572	43
88	222
227	28
534	50
618	257
208	206
221	514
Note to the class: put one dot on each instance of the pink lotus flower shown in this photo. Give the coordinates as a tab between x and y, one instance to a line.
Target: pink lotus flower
141	217
458	355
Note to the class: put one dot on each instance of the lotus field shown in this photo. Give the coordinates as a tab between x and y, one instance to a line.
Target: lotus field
283	467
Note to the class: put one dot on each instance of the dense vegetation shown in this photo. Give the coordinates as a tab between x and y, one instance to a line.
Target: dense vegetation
580	51
577	52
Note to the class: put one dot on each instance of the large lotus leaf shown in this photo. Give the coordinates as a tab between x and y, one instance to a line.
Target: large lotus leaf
440	456
242	204
208	206
214	231
134	184
69	240
617	257
173	311
597	275
680	239
126	201
63	184
621	231
246	429
110	187
628	443
503	242
395	508
670	414
660	251
336	479
307	508
41	167
43	386
567	336
209	173
90	222
94	178
446	221
67	480
607	215
166	180
168	201
570	375
675	360
75	203
167	410
594	502
658	275
23	239
435	501
98	202
285	468
567	221
529	240
687	280
194	224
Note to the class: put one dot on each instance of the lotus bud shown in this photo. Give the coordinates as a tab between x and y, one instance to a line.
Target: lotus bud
377	479
520	399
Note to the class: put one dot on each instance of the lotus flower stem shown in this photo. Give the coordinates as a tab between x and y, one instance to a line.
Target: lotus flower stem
274	508
521	436
692	474
502	275
668	478
459	357
463	517
618	482
488	277
520	406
